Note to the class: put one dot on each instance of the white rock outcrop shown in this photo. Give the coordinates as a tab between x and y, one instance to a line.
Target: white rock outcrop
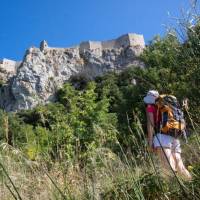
45	69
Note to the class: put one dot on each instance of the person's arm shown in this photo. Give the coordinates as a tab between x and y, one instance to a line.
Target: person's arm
150	128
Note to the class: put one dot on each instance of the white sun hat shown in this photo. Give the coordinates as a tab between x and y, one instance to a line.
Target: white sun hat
151	96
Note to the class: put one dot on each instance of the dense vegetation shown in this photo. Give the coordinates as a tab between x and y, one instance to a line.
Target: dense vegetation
90	144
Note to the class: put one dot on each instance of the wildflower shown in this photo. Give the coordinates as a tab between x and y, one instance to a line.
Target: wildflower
190	167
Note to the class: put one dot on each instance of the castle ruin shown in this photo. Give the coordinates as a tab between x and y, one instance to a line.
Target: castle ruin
9	66
124	41
45	69
43	45
96	47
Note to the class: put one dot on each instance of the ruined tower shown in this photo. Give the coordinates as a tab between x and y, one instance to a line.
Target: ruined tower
43	45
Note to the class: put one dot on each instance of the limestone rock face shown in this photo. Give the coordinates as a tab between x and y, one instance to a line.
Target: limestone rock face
43	72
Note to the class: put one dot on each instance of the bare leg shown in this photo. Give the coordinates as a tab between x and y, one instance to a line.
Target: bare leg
167	159
180	166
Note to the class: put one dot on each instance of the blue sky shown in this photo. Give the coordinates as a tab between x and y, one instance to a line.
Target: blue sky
63	23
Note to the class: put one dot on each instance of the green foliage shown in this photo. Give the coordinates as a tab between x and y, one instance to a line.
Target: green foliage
88	117
174	67
1	83
2	125
162	53
67	130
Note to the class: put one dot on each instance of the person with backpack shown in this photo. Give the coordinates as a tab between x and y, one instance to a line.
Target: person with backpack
165	124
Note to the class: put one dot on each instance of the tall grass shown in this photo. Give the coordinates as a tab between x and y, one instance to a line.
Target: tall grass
106	175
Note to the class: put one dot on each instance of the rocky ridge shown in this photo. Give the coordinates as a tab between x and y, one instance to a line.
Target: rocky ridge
44	70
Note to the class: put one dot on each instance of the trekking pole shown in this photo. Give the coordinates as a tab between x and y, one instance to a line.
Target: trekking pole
181	186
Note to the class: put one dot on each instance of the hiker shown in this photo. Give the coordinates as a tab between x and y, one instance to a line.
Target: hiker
166	146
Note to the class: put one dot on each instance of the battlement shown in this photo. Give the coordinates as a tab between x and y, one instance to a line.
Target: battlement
130	39
124	41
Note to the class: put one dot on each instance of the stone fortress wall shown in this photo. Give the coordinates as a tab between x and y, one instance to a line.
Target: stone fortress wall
110	44
130	39
96	47
9	66
123	41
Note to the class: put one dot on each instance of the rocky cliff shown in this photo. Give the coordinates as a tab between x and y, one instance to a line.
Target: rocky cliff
45	69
